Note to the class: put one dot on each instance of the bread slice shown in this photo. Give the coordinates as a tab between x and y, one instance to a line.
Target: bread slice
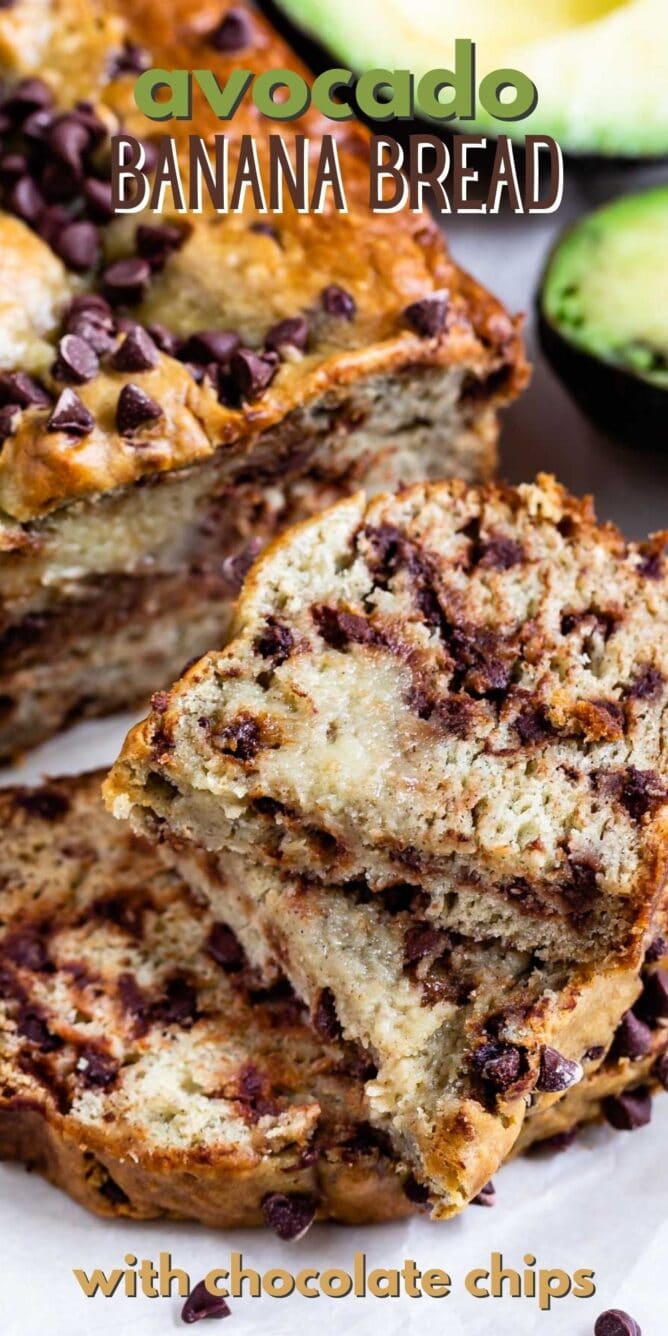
237	372
205	1099
460	689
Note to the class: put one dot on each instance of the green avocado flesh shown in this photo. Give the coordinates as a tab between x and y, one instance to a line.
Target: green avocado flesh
606	286
600	66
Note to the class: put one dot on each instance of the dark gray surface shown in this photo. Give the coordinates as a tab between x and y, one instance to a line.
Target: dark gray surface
545	430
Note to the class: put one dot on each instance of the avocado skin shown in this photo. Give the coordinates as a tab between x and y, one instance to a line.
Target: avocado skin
628	407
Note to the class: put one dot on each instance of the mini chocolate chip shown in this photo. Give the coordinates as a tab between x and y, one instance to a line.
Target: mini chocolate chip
498	1064
98	198
557	1072
76	362
25	199
428	317
653	1004
126	281
136	353
10	416
633	1038
325	1019
263	229
51	222
416	1192
17	387
593	1053
201	1303
275	641
156	242
290	1216
36	126
129	59
486	1196
68	138
233	33
135	409
28	95
661	1070
210	345
338	302
164	340
657	948
615	1322
225	948
252	372
94	332
96	1068
12	166
71	415
292	333
78	246
628	1111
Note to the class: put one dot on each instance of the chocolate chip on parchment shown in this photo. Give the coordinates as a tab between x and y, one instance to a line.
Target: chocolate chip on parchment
202	1304
76	362
557	1072
233	33
337	302
289	1215
78	246
628	1111
486	1196
253	372
615	1322
137	352
428	317
633	1038
126	281
135	408
292	333
71	415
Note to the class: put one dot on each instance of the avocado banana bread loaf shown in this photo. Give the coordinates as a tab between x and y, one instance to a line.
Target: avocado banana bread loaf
146	1070
176	387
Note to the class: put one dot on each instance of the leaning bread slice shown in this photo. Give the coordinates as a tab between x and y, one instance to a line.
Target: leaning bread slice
459	688
207	1099
464	1038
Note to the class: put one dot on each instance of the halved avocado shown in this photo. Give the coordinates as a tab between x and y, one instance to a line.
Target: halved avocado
603	315
600	66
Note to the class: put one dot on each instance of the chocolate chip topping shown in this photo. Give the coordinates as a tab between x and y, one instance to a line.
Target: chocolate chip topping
652	1006
657	948
233	33
77	362
25	200
126	281
99	199
428	317
225	949
135	409
633	1038
486	1196
17	387
291	333
498	1064
71	415
156	242
78	245
200	1304
615	1322
557	1072
630	1110
137	352
252	372
290	1216
325	1019
338	303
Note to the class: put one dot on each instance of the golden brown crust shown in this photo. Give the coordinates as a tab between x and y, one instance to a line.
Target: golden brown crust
227	274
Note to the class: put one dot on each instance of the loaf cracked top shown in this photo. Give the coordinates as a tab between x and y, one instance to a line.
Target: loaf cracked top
345	281
462	689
